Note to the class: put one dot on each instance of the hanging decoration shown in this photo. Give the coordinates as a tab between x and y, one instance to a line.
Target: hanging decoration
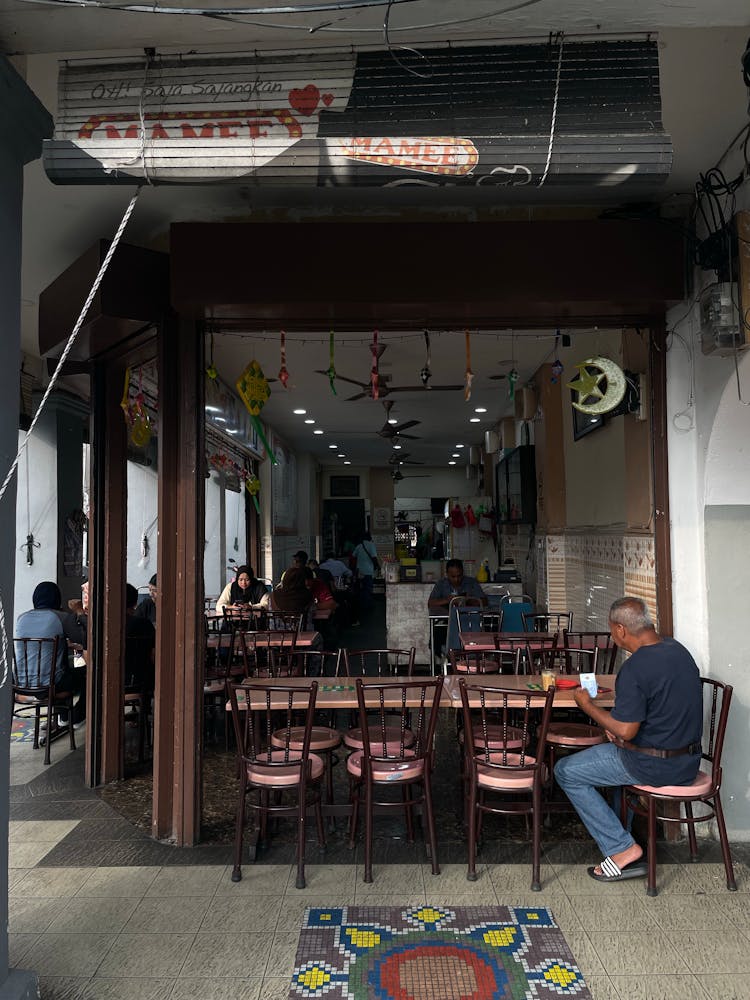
331	373
136	416
211	370
221	461
374	373
283	375
28	547
469	374
425	375
588	386
512	379
253	389
557	365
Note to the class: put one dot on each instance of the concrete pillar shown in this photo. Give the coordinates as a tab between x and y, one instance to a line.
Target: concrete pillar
23	124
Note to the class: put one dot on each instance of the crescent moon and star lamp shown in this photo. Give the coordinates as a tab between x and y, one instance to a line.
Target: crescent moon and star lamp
599	391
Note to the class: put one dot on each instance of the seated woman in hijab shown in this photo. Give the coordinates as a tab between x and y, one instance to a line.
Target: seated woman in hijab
244	589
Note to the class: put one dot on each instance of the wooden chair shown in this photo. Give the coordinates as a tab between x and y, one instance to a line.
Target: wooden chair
537	652
385	761
139	688
602	641
32	659
551	621
376	663
284	621
504	768
704	789
492	661
274	758
268	653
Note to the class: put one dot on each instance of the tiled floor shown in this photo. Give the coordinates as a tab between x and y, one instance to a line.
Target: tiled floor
100	911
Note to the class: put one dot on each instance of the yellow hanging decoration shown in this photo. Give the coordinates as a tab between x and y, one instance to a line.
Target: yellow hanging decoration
252	386
252	485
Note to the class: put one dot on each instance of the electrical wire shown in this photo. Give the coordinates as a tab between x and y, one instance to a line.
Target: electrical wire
554	111
52	382
403	48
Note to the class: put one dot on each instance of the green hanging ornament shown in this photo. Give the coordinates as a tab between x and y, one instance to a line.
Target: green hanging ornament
331	372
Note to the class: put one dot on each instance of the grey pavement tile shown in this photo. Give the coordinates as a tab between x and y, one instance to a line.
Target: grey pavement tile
282	953
19	946
93	915
676	913
391	899
230	956
70	954
48	882
674	987
234	914
127	881
192	880
34	808
606	913
263	879
712	877
79	854
16	876
517	878
326	878
141	955
170	914
43	829
401	879
29	915
725	986
27	854
452	880
584	953
105	828
734	906
62	987
275	988
220	989
714	951
649	952
602	988
128	989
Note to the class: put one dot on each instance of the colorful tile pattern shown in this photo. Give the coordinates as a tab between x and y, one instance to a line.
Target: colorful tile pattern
434	953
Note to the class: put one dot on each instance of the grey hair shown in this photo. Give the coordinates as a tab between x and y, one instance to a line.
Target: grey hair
632	613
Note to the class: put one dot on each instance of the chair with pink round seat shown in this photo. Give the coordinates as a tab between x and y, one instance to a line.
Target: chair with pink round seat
377	663
385	761
508	768
705	789
282	765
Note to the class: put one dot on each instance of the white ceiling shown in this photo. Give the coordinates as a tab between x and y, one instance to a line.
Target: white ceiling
445	416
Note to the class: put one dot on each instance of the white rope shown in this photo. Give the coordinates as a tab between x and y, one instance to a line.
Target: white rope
554	112
45	397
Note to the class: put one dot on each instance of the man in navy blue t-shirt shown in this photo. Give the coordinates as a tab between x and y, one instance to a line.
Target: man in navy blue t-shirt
654	733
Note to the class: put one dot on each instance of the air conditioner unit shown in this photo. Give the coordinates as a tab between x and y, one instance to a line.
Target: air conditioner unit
508	432
526	404
491	442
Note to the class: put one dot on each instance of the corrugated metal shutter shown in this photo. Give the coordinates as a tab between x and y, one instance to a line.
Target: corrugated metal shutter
482	115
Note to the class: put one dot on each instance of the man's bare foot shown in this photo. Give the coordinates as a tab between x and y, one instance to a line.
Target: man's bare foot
623	858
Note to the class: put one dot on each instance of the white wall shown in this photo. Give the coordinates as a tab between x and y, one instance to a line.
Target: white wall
142	510
38	513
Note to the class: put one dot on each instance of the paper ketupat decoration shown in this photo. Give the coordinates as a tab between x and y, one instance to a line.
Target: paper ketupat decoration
254	391
136	416
588	386
252	485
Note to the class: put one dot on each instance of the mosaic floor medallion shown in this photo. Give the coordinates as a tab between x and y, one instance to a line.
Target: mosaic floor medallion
434	953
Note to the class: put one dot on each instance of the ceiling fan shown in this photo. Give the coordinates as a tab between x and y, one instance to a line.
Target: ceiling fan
383	378
402	460
397	475
390	431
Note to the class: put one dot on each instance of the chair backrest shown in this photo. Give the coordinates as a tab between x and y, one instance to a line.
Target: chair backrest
602	641
492	661
380	662
314	662
513	607
243	617
275	712
209	603
538	653
270	652
516	710
139	662
415	702
284	621
574	661
34	665
550	621
220	651
717	697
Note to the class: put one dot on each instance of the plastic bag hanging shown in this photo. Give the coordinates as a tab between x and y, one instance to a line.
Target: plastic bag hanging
457	517
469	374
253	389
471	518
331	373
283	375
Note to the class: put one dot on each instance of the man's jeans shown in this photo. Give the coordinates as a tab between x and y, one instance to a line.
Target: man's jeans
579	775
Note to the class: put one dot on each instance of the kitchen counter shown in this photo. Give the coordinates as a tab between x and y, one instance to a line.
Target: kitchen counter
406	618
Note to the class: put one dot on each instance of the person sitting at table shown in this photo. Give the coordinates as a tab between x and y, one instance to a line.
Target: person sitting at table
455	584
338	569
140	639
291	595
654	733
245	589
47	620
324	601
147	607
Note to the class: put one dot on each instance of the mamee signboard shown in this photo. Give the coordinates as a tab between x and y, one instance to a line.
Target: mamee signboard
474	115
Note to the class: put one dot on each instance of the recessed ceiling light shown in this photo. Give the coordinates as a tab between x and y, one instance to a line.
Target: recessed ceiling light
220	420
455	455
309	420
334	446
474	420
318	431
397	447
392	420
341	456
212	409
300	413
459	446
232	430
451	463
480	409
347	462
